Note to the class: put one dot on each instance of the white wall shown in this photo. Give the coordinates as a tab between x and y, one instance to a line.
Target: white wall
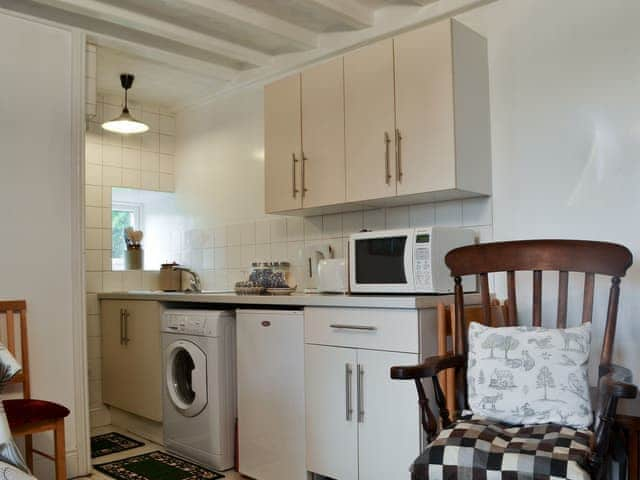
565	84
36	175
220	175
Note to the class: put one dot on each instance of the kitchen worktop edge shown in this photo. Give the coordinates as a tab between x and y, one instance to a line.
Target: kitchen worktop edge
297	300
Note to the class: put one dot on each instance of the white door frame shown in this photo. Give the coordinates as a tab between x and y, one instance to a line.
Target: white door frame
79	321
78	460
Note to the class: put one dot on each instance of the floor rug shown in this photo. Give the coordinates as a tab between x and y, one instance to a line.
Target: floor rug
112	442
156	466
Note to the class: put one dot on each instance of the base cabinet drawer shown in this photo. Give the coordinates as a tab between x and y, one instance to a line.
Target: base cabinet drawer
393	330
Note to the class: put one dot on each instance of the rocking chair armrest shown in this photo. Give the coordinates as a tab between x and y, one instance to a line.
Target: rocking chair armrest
611	386
620	373
430	367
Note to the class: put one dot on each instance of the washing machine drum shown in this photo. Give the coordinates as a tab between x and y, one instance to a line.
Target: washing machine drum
186	377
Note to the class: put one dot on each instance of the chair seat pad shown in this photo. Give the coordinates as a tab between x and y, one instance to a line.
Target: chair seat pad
21	412
479	449
9	472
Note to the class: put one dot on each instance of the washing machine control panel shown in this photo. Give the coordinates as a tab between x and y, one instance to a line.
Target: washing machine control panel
207	323
189	324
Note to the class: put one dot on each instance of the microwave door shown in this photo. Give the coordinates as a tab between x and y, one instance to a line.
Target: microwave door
384	264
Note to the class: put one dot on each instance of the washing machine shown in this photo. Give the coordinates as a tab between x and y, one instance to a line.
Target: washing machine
199	391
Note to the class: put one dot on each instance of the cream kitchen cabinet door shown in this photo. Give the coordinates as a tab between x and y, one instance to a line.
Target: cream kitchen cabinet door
370	122
332	428
361	425
283	145
131	357
389	428
323	169
442	110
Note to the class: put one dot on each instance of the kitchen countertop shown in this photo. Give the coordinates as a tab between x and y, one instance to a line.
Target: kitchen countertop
295	300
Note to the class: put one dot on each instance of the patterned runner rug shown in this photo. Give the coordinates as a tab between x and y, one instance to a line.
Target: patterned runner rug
156	466
112	442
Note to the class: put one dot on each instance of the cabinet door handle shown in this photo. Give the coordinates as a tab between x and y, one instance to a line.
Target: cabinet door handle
294	185
360	387
399	172
121	326
387	168
126	327
339	326
304	175
348	378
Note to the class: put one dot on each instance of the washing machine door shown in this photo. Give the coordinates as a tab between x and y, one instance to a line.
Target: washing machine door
186	377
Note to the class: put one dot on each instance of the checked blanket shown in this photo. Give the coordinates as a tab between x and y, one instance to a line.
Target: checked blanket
479	449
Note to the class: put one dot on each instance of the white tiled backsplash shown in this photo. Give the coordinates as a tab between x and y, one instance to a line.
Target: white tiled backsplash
222	255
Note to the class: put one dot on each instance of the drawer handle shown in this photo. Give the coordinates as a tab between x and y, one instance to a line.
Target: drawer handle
265	323
368	328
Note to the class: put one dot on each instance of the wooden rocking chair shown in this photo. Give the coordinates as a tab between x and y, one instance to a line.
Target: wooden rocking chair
563	256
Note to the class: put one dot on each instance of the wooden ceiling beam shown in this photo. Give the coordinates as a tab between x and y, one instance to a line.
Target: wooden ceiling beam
350	11
149	25
299	36
173	60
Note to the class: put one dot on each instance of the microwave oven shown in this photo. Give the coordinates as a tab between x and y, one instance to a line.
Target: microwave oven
406	260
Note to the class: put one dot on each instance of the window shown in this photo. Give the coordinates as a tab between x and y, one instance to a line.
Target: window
123	215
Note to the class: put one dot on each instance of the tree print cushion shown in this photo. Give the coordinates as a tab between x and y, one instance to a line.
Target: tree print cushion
530	375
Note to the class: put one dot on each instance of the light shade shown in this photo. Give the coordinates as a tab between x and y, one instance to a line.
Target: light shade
125	124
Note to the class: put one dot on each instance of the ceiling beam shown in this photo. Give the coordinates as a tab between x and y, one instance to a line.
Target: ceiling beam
299	36
146	24
350	11
423	2
173	60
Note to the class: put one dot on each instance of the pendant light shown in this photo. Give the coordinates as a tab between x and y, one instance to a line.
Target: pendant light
125	123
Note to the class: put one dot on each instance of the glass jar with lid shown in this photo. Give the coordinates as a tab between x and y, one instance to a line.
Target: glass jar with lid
281	275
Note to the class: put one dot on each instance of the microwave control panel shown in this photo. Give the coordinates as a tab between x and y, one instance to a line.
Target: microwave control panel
422	260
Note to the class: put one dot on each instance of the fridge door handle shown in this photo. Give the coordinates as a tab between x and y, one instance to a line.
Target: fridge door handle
348	378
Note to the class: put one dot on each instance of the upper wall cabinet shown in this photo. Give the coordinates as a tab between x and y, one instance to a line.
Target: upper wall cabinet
400	121
442	111
323	134
282	145
369	122
304	139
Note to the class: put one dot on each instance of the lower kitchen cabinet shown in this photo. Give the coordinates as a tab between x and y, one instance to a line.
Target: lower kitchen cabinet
361	425
131	357
332	431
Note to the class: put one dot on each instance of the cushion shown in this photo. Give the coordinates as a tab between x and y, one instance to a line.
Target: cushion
478	449
22	412
530	375
9	366
9	472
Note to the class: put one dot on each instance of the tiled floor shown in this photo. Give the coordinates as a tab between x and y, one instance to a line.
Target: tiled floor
147	447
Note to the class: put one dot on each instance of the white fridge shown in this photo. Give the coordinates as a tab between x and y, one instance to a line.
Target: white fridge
271	404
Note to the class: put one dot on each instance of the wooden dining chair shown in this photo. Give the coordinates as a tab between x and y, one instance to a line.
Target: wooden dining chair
537	256
27	416
447	334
